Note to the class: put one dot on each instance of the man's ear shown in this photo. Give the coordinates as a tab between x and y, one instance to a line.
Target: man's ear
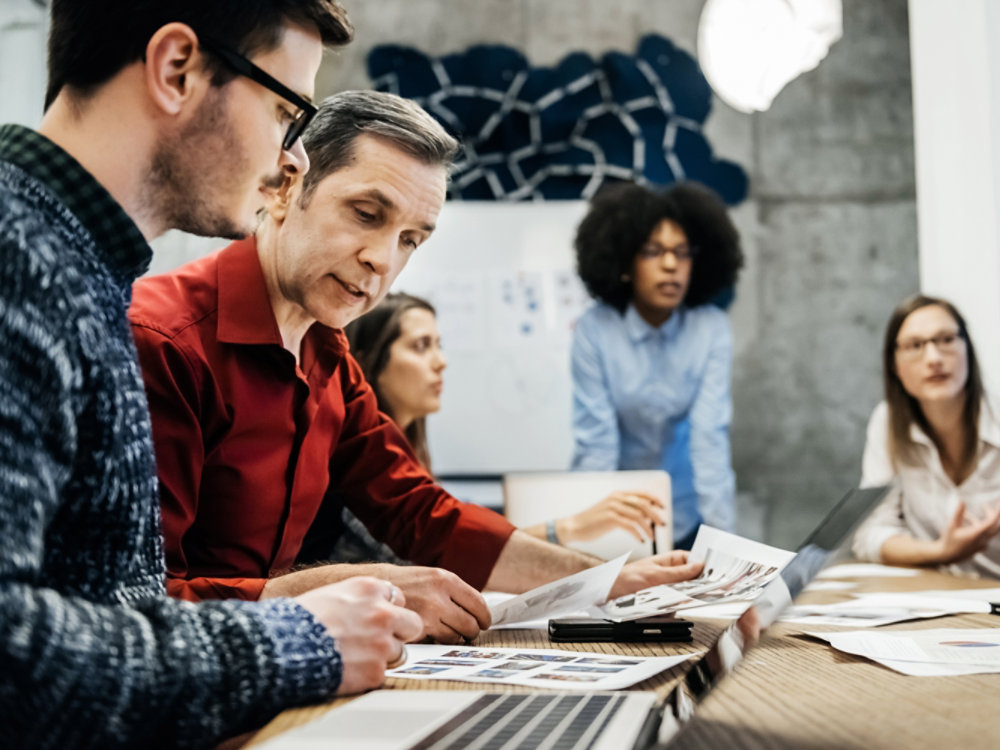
174	67
281	194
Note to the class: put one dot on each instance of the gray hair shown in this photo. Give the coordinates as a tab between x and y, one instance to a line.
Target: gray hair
329	139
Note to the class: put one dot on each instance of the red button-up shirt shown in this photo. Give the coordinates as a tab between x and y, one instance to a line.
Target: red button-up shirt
248	443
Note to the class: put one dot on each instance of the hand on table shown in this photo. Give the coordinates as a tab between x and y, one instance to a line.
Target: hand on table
670	567
962	539
368	619
635	512
450	608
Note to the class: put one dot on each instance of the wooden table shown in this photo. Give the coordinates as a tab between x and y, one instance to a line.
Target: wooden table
791	691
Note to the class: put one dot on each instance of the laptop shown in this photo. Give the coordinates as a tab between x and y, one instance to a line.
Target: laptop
453	720
540	496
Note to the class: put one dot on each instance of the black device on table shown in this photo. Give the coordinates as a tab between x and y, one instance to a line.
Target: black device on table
586	629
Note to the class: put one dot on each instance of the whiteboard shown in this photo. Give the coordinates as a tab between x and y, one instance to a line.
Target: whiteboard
502	277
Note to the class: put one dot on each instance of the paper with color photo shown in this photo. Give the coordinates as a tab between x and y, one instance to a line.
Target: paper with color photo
736	569
537	668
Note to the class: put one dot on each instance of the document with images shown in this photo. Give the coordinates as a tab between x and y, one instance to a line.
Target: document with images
575	593
736	569
538	668
945	651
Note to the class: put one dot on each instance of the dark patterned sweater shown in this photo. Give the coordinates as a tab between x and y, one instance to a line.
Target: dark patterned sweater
92	652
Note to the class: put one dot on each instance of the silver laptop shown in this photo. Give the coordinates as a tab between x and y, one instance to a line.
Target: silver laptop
450	720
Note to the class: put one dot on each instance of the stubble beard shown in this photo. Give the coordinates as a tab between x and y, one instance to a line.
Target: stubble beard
192	174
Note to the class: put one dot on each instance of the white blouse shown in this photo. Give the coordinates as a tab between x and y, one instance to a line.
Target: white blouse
924	497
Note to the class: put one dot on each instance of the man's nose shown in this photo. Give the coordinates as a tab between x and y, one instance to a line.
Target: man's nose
377	253
295	159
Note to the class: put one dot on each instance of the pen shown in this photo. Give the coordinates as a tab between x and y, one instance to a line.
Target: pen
652	528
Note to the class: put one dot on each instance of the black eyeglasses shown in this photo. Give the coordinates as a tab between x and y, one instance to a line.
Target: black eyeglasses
236	61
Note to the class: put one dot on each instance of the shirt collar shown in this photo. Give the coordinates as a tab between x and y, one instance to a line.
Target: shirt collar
245	313
639	330
989	428
117	237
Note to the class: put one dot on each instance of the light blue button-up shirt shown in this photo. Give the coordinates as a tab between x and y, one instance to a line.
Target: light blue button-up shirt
651	398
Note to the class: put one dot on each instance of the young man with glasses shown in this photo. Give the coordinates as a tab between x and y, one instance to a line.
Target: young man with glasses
145	130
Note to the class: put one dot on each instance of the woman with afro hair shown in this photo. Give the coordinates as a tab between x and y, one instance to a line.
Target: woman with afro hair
651	361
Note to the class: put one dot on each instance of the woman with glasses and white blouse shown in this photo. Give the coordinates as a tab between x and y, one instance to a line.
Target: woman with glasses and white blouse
651	361
938	437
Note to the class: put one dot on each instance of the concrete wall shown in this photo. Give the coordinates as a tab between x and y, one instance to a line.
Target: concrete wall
23	30
830	227
833	183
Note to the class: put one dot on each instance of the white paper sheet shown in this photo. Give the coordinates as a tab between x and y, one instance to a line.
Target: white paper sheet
867	570
495	598
830	586
945	651
983	595
864	612
723	611
537	668
924	600
568	595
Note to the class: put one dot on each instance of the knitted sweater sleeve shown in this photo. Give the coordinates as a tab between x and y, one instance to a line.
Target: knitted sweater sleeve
92	652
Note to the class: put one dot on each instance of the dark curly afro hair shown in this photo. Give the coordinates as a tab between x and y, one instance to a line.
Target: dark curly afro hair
623	216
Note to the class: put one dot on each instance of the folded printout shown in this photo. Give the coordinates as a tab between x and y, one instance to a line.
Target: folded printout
568	595
736	569
538	668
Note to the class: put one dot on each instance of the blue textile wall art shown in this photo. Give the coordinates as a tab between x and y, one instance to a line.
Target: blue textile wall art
559	133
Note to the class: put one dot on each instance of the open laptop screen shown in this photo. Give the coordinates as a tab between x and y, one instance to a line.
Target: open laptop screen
730	648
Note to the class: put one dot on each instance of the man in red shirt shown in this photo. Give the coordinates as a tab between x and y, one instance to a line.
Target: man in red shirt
258	408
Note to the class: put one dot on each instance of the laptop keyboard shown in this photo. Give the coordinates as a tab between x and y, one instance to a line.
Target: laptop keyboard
508	721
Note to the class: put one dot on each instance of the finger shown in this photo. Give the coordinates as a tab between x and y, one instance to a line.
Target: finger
461	622
472	602
633	513
646	500
630	526
683	572
674	557
399	660
446	634
958	517
407	625
395	595
651	512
